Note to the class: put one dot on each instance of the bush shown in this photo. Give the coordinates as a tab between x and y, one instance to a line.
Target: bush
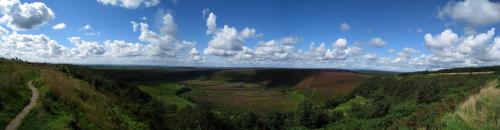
276	120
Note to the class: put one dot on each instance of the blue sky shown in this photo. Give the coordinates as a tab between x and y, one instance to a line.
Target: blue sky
399	25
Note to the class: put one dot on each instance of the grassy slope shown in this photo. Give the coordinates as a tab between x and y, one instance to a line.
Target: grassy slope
68	103
166	94
480	111
344	108
14	94
409	102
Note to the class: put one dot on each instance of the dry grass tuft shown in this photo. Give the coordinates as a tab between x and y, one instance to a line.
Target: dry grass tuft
481	111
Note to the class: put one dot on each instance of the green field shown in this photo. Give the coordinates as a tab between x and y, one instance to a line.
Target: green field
166	94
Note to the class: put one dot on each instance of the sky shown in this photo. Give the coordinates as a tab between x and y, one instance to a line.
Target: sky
393	35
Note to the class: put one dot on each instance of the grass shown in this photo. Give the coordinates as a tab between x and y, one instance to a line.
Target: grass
14	94
345	107
480	111
166	94
297	95
68	103
242	96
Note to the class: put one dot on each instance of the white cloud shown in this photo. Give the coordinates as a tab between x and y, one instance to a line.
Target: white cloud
344	27
24	16
194	55
135	25
340	51
438	42
118	48
85	48
25	45
468	50
3	33
211	23
474	12
280	49
169	26
340	43
378	42
87	30
166	43
163	47
130	4
472	42
371	57
226	41
59	26
86	27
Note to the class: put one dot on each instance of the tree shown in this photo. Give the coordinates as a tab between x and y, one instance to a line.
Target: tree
305	113
276	120
248	121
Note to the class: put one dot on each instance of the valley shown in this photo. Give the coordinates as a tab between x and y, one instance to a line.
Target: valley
82	97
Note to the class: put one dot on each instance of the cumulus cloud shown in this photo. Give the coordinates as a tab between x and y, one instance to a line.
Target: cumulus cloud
26	45
226	41
450	50
340	51
165	43
130	4
59	26
378	42
438	42
344	27
156	47
23	16
194	55
474	12
281	49
119	48
85	48
211	23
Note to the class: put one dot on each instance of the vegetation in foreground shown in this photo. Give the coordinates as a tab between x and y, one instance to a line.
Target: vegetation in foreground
479	112
14	94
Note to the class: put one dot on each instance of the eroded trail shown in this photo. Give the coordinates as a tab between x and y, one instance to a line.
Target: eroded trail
14	123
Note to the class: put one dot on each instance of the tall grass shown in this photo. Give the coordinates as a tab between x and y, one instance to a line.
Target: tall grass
69	103
480	111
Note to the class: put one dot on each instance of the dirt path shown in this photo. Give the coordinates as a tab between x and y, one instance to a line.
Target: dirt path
14	123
